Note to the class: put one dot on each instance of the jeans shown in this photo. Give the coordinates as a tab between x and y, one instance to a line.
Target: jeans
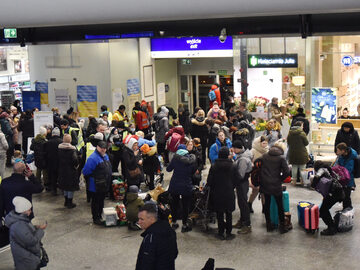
326	204
347	200
97	204
185	200
241	192
222	225
279	202
69	194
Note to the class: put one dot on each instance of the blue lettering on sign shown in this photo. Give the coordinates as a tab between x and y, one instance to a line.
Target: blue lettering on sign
347	60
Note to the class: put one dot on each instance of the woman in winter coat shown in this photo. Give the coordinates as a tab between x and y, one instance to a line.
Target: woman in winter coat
347	134
132	162
184	166
3	148
221	180
184	118
273	131
26	125
200	130
38	146
199	163
274	170
297	153
161	127
25	238
68	176
259	148
151	163
221	140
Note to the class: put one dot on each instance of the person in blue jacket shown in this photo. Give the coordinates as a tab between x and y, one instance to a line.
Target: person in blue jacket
142	141
346	158
98	171
221	140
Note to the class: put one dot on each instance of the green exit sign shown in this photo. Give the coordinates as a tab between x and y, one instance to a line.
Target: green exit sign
186	61
10	33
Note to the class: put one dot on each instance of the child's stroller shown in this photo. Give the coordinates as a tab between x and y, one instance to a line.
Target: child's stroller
201	213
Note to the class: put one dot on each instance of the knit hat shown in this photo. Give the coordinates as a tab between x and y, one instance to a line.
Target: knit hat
55	132
99	136
131	143
145	148
237	144
181	146
143	103
164	110
214	86
102	144
21	204
42	131
133	189
224	152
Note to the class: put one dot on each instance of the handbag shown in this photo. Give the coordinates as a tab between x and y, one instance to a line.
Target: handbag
134	173
44	260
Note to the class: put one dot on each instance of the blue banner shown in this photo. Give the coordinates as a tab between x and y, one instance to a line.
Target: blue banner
133	87
86	93
42	87
31	100
324	105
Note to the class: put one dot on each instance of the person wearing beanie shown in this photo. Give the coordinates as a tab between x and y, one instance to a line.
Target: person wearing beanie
184	166
221	180
348	135
161	127
142	119
133	204
196	151
25	238
300	116
151	164
243	166
38	146
51	149
199	130
132	162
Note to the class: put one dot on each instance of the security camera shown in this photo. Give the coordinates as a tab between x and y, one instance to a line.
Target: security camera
223	36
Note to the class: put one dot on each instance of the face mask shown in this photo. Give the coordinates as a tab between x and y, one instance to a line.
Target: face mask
132	130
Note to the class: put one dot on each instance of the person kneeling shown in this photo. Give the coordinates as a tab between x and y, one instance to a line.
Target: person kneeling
133	204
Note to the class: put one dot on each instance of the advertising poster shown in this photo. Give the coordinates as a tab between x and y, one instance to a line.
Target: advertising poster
133	87
323	105
43	88
31	100
62	100
161	94
41	119
87	100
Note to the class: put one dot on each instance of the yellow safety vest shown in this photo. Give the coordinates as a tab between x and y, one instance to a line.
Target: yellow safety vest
118	117
89	150
80	143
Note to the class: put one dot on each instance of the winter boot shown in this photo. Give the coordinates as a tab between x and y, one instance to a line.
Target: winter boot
250	208
269	226
282	228
331	230
66	201
70	204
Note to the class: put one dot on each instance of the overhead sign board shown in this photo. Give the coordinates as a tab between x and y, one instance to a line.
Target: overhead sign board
187	47
10	33
272	60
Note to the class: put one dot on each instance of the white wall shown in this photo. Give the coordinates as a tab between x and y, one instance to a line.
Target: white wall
260	83
202	66
167	72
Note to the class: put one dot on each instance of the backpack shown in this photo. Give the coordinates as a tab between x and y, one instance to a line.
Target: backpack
342	175
173	142
344	220
255	173
212	95
357	167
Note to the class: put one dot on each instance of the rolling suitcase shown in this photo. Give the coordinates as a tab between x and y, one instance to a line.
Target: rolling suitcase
274	213
308	216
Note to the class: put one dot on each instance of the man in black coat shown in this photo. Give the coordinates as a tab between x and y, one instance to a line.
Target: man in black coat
51	149
301	117
347	134
158	250
17	185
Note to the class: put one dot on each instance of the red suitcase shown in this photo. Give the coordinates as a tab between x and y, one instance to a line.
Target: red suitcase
308	216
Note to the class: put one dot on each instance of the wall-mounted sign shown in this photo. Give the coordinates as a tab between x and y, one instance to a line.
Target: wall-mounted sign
323	105
10	33
186	61
272	60
348	60
191	47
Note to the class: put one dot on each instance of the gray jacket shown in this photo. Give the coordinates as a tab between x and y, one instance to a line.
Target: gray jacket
24	241
243	164
161	126
3	144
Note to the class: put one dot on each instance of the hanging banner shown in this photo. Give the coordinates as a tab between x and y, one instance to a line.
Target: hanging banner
161	94
117	98
31	100
43	88
87	100
133	86
62	100
41	119
323	105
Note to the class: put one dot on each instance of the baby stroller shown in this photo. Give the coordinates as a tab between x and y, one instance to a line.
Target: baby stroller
201	214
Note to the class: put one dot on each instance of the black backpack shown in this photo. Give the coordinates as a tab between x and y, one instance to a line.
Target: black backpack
255	173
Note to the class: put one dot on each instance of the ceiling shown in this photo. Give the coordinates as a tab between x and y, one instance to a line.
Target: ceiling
35	13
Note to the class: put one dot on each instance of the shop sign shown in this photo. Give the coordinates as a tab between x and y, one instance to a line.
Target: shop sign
222	72
10	33
348	60
273	60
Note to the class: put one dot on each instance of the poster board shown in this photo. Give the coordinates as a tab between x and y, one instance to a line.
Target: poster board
117	98
161	97
324	105
148	81
62	99
41	119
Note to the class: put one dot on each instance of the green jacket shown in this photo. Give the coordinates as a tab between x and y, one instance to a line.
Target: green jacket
134	202
297	142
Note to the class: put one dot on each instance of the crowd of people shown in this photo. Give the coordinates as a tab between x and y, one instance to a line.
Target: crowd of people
138	145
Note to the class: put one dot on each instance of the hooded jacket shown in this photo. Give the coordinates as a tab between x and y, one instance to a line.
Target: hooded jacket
133	204
6	127
348	162
161	124
244	136
158	249
184	166
24	241
38	146
151	162
274	169
199	130
257	149
243	165
297	142
301	117
51	149
214	149
177	129
68	162
351	138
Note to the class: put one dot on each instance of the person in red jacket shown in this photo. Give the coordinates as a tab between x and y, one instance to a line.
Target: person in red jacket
215	88
142	119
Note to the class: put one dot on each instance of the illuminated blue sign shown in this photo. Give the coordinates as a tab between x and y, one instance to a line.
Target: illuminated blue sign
347	60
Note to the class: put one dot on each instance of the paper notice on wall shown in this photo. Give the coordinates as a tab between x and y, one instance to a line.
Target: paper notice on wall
41	119
132	99
161	94
62	99
117	98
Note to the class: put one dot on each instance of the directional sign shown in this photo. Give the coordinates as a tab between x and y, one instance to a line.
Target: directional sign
10	33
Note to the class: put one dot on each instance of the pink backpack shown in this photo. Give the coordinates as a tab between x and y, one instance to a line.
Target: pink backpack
173	142
342	174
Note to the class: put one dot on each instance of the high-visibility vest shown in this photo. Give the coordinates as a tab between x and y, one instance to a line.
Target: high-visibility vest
133	116
80	142
119	117
89	150
143	120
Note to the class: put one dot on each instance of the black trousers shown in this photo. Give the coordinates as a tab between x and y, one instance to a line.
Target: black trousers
203	153
175	205
242	199
97	204
222	225
116	160
347	200
326	205
53	175
151	178
279	202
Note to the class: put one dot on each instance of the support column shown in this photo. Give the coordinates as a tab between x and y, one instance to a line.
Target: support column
243	63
